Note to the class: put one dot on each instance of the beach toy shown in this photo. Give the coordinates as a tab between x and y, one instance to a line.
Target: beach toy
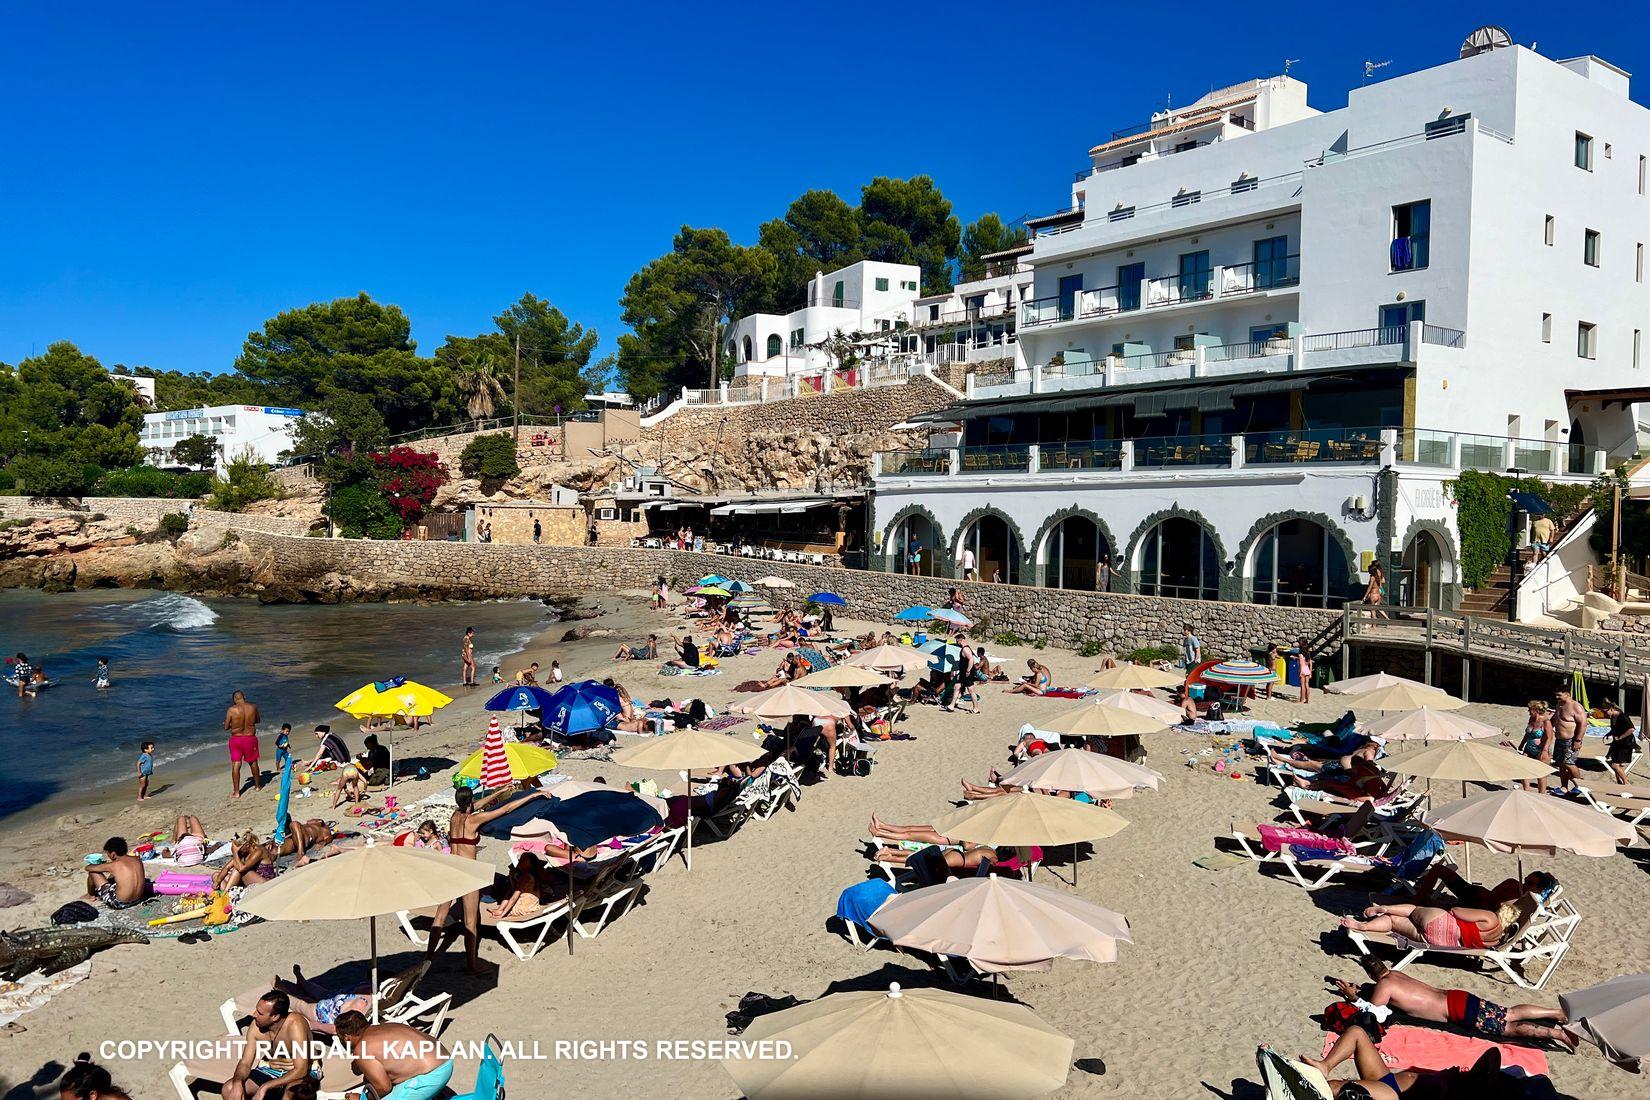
389	802
175	883
179	918
218	911
423	773
303	777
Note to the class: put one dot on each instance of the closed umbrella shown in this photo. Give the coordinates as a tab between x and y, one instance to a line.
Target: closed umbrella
918	1044
1360	684
889	658
843	676
1523	821
493	769
1149	705
1131	677
1001	923
1430	724
1081	770
1614	1016
1406	696
369	883
788	701
585	706
1098	720
1022	819
688	750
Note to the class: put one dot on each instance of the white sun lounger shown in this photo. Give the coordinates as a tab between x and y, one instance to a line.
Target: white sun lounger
338	1080
398	1003
1540	945
1309	874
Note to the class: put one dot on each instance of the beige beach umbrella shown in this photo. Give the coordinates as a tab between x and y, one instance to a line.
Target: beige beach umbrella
1467	761
1081	770
1024	818
688	750
1149	705
1129	677
1523	821
1098	720
889	658
1430	724
1614	1016
788	701
369	883
773	582
1360	684
1408	696
1002	924
918	1044
843	676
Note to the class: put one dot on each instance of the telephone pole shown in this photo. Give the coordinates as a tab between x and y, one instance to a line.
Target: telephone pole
515	395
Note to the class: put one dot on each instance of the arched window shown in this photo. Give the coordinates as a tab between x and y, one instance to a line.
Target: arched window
776	346
1179	559
915	547
1298	564
748	355
1072	554
996	550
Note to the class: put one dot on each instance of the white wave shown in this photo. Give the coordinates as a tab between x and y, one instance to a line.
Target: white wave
174	612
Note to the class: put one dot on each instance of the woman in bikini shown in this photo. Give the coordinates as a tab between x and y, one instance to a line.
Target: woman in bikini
1459	926
1035	682
463	835
249	862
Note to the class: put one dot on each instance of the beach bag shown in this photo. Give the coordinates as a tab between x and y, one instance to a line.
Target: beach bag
76	912
1341	1015
753	1005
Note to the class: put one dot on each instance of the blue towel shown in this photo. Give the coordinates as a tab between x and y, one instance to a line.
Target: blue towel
856	904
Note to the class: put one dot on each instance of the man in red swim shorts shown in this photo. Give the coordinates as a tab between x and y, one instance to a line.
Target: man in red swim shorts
241	720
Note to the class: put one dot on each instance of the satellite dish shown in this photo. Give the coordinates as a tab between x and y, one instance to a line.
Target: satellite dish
1485	39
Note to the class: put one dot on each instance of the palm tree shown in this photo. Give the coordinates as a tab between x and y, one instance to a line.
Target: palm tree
478	384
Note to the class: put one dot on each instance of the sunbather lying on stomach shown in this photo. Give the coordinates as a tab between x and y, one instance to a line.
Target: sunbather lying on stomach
1413	997
1441	885
1355	777
1459	926
995	787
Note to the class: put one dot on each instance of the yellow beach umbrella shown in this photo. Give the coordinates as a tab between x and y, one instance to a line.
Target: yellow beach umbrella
525	760
1129	677
410	699
920	1044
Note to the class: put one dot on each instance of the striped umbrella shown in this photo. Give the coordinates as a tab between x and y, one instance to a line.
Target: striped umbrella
1241	674
495	766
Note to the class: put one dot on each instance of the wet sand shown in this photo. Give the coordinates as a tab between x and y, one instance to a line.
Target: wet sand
1221	961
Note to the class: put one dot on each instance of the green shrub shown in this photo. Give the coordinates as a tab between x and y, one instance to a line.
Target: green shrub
490	457
173	524
1145	655
7	482
151	481
361	512
245	481
1090	649
1482	508
1007	637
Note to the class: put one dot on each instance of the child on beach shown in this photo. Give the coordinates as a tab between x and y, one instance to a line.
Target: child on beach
555	672
102	672
498	677
146	768
428	836
283	747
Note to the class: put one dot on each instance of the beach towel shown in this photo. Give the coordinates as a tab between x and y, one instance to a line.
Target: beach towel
677	670
1275	837
1409	1047
12	896
33	990
722	722
1069	693
856	904
817	661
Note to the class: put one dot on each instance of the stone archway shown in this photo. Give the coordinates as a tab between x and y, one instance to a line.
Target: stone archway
1020	567
1264	525
1128	574
890	560
1448	587
1037	555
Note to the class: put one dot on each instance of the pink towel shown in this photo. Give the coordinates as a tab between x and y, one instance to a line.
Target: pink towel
176	882
1274	837
1410	1047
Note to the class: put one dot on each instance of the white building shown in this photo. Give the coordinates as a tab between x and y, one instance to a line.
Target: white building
145	386
861	299
1263	339
263	430
975	321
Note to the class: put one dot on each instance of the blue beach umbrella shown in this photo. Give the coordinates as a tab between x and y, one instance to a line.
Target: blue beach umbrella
582	707
713	579
737	587
521	697
828	598
945	656
920	613
955	618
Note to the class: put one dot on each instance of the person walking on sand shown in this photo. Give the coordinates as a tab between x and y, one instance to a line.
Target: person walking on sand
241	720
468	654
145	768
1569	726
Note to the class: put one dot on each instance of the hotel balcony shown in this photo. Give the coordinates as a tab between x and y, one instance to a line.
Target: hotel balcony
1386	346
1265	452
1158	292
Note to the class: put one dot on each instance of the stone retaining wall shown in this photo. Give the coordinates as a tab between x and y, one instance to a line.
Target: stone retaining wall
144	512
353	569
276	525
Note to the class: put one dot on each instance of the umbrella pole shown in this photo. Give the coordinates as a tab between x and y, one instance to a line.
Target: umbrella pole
570	914
372	935
687	849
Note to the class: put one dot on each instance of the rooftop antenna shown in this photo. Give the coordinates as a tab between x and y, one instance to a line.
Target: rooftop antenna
1371	66
1288	63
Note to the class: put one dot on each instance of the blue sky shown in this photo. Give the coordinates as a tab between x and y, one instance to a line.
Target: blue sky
176	173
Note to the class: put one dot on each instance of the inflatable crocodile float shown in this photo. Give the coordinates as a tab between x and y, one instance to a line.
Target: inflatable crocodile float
49	950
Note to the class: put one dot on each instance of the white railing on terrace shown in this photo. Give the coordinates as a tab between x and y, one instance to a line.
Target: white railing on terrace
1159	291
754	390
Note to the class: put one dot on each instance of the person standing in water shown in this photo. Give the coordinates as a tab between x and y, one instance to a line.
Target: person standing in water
241	720
102	672
469	656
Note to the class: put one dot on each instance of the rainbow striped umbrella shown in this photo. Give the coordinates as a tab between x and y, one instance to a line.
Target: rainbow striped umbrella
1241	674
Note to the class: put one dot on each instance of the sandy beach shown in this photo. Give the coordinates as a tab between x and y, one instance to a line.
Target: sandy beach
1221	960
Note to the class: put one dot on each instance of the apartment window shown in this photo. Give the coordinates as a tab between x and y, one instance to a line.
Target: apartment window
933	313
796	337
907	284
1584	151
1196	276
882	284
1185	146
1272	263
1550	231
1186	198
1400	314
1586	340
1129	279
775	346
974	304
1260	334
1411	235
1638	263
1589	248
1546	328
1070	287
836	294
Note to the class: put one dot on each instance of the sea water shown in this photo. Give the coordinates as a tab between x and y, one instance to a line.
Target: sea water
174	660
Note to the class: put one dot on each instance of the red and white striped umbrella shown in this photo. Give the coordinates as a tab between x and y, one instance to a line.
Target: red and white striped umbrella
495	766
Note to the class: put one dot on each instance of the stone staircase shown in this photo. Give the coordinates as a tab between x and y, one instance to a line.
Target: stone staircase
1490	598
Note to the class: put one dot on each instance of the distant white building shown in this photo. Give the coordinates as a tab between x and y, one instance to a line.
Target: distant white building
860	299
976	321
1262	340
144	386
263	430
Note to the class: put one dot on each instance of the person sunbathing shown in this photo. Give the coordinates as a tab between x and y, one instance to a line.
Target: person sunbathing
793	667
1374	1080
995	788
527	885
1457	926
641	651
1031	743
327	1004
960	858
1441	884
1353	777
1035	682
1413	997
304	837
118	882
188	841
